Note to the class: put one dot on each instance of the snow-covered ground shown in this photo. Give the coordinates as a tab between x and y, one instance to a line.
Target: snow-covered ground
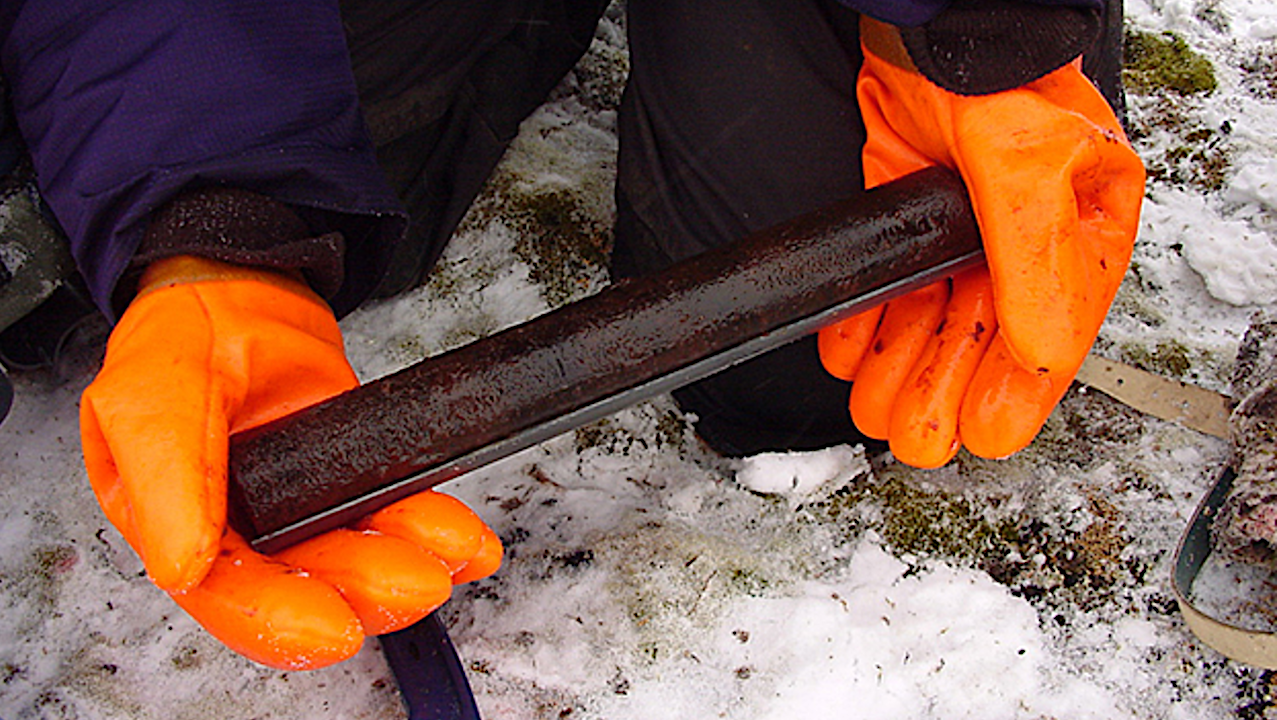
648	578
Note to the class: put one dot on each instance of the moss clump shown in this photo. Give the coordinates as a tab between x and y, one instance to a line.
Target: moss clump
1165	77
560	241
1035	558
747	581
1134	300
1169	357
566	247
1165	62
600	76
1095	556
1197	156
660	429
457	276
918	522
1204	166
1090	426
940	524
185	658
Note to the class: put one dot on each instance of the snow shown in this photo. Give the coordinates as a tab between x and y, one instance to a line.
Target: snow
800	475
1238	265
647	577
875	642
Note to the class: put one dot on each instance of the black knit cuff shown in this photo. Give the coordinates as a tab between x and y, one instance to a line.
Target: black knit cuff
978	47
241	227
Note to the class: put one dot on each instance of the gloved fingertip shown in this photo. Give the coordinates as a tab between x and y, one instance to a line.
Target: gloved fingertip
870	421
178	575
389	582
924	455
177	561
843	345
907	325
485	562
1006	405
924	420
435	521
272	614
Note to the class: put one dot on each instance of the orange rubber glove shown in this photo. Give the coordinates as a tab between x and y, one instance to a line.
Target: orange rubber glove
209	349
1056	190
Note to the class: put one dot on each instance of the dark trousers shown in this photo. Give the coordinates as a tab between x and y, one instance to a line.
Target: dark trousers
444	85
738	114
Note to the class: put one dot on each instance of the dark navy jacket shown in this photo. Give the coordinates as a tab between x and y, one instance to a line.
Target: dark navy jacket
122	104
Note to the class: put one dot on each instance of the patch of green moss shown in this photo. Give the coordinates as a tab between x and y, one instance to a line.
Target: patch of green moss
479	327
1133	300
1193	155
671	429
36	579
600	76
54	561
1204	166
185	657
1093	424
564	245
1036	559
747	581
458	278
667	429
1165	62
1168	357
560	241
1085	429
937	524
451	277
1170	75
919	522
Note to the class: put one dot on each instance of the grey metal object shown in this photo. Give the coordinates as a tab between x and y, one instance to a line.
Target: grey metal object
1246	645
34	263
33	254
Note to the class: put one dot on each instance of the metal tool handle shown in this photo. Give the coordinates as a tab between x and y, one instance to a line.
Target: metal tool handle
432	682
331	463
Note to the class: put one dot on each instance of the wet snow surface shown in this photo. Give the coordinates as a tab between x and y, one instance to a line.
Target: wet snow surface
648	578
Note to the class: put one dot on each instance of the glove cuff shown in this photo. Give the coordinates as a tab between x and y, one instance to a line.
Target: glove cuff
980	47
238	227
188	269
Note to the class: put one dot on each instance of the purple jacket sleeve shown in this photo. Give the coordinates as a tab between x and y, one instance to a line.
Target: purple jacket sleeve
911	13
125	104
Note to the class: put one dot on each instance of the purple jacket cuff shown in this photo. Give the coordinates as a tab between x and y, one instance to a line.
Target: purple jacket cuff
124	105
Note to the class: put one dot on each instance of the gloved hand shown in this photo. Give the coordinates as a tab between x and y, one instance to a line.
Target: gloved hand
1056	190
208	349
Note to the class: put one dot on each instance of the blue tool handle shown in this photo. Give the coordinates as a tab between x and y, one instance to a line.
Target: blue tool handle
432	682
